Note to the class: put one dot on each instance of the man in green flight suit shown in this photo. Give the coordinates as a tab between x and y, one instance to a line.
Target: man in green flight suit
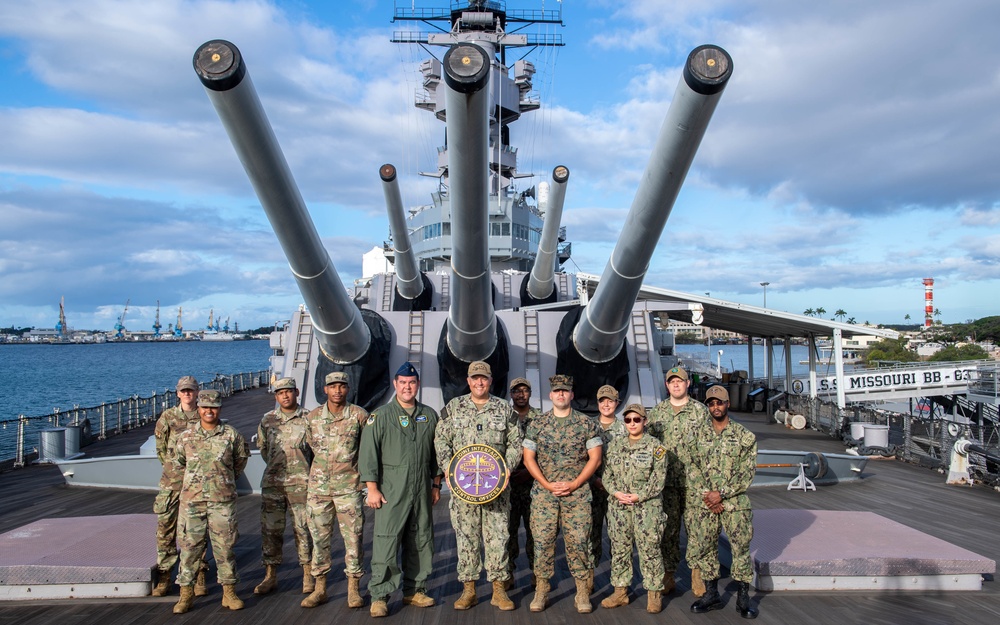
399	466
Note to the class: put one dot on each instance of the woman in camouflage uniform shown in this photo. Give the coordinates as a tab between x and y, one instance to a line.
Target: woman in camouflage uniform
634	474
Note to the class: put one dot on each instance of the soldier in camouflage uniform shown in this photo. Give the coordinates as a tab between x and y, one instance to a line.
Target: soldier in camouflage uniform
281	437
400	468
521	483
169	426
634	471
213	456
721	458
666	422
562	450
334	434
479	418
610	428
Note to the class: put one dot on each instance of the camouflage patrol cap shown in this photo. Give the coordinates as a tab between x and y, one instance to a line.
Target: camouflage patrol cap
336	377
607	391
717	392
285	383
187	383
561	383
479	368
677	372
516	382
636	408
209	399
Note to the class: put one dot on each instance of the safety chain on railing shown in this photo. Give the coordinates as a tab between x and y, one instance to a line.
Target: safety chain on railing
129	413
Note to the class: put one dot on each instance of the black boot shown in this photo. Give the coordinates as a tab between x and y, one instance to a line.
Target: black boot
711	600
743	601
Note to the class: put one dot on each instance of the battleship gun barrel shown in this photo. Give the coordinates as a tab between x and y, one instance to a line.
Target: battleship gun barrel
542	279
472	333
601	331
343	335
408	280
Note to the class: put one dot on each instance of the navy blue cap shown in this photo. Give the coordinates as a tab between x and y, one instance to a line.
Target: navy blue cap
407	370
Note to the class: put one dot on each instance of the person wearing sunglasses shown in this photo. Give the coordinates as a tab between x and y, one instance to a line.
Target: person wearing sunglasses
634	473
721	457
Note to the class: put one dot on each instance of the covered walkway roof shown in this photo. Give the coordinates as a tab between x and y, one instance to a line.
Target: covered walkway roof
746	319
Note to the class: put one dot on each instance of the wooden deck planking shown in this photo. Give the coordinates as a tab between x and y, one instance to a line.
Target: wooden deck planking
910	495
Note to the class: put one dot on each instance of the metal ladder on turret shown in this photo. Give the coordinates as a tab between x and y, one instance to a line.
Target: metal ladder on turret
387	283
640	343
531	349
506	292
445	293
415	342
302	351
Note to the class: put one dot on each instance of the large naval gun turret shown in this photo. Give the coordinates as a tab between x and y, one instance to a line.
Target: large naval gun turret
481	277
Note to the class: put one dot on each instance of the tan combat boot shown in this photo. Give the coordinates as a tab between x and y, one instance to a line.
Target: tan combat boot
618	599
318	596
269	582
654	602
500	598
590	582
697	584
582	600
379	608
184	603
668	582
200	585
468	598
229	597
354	599
418	599
308	583
162	588
541	599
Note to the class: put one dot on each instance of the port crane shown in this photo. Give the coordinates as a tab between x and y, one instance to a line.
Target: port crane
61	328
120	326
178	330
156	324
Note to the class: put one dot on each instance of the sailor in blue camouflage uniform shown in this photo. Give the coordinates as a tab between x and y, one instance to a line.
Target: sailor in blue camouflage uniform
281	437
213	456
521	482
562	450
610	428
666	422
634	472
721	460
480	418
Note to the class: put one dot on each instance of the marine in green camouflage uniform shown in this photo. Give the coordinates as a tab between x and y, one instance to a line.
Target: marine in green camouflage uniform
721	460
282	439
213	458
521	481
479	418
400	468
562	450
666	423
609	427
172	422
334	435
634	473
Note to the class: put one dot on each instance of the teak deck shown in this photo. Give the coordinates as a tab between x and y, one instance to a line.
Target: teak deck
913	496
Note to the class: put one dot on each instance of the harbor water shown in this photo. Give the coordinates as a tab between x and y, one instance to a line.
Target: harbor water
39	379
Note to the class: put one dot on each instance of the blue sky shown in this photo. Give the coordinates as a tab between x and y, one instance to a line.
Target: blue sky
852	154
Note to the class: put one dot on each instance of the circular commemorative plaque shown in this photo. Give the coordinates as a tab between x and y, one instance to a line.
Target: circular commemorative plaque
477	474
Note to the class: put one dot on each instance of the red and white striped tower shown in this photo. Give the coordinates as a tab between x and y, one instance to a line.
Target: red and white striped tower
928	302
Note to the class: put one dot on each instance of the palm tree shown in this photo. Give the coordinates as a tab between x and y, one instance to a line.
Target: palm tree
906	318
840	314
851	321
820	311
808	312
